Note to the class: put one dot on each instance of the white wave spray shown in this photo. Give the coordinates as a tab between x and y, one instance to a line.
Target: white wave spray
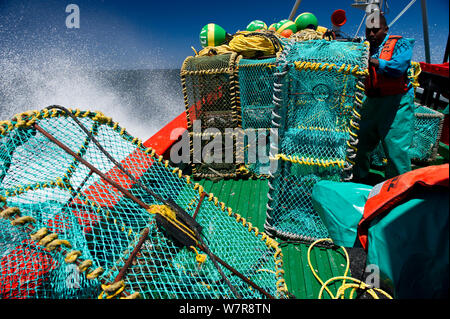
55	77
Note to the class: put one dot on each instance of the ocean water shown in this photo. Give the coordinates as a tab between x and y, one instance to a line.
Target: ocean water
142	101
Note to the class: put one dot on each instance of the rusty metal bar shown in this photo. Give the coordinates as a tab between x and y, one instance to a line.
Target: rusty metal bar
91	167
202	197
180	212
133	254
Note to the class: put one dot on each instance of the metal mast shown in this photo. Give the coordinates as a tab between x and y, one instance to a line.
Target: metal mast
294	9
426	38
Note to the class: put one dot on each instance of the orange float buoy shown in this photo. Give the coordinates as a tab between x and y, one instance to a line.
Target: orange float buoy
287	33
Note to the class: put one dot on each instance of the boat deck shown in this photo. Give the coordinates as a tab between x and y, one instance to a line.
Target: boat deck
248	197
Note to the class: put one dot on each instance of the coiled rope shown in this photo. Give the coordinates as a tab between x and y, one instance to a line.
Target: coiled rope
356	285
255	44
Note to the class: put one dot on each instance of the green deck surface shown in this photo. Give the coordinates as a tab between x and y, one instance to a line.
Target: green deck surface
249	198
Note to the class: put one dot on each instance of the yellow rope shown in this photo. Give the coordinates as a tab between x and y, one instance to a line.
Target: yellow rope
266	270
249	45
307	34
309	161
414	73
9	212
95	273
323	129
47	239
134	295
358	285
72	256
343	68
37	236
344	286
84	265
214	50
23	220
201	258
115	289
58	242
313	270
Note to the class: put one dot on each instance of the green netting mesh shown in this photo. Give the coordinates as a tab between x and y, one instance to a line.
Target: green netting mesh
427	133
318	91
256	78
256	86
66	232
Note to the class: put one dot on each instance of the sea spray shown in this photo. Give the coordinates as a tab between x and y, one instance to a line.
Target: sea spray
142	101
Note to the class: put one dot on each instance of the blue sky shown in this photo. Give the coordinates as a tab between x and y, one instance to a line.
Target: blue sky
159	34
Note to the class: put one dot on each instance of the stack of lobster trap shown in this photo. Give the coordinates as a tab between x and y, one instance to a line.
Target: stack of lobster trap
297	111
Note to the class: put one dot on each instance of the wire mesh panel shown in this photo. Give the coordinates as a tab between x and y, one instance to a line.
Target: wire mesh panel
427	134
87	212
209	89
318	94
256	87
256	78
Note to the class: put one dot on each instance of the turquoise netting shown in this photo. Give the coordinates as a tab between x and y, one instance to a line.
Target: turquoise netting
66	232
318	92
256	78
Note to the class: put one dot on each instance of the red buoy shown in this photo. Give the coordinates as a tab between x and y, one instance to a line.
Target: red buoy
338	18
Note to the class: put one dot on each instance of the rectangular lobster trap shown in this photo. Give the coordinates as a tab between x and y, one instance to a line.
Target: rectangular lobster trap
211	96
428	125
319	90
256	79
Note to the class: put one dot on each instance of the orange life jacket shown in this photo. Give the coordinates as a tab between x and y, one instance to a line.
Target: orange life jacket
383	85
393	192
